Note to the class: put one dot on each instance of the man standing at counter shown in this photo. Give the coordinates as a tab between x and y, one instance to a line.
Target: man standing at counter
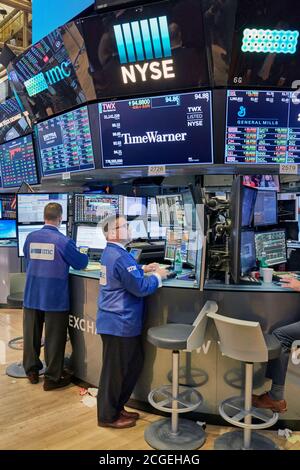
277	368
49	255
120	321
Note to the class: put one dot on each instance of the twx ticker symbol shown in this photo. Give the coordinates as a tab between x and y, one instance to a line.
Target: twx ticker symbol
143	40
266	40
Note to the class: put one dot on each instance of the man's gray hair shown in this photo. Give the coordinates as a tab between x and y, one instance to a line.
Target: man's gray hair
108	221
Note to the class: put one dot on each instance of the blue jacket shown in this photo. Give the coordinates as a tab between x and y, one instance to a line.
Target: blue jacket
49	255
122	288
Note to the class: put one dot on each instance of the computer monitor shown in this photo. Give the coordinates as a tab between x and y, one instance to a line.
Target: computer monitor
190	212
24	230
138	229
264	182
248	203
287	208
235	240
265	210
257	126
157	130
9	206
171	211
31	206
0	209
17	161
152	208
90	236
13	121
273	244
176	239
8	229
248	254
134	206
155	231
193	248
94	208
65	143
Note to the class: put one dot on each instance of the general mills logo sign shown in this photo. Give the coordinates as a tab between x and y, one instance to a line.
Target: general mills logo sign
43	80
145	45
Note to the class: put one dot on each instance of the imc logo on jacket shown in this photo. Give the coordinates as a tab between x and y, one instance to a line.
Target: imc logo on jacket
148	43
42	251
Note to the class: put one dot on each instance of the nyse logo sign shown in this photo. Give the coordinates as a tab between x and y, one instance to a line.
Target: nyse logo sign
148	43
43	80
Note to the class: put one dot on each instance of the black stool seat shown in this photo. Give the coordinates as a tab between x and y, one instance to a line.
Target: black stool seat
170	336
273	345
16	299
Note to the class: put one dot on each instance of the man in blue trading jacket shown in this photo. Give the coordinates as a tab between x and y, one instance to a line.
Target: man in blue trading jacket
119	322
49	255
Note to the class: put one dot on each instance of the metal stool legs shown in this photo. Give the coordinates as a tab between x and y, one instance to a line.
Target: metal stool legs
175	433
239	412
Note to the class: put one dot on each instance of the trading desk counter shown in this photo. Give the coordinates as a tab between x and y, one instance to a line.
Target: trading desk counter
215	376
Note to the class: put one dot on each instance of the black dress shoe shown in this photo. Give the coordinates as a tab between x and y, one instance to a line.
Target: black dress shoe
33	377
129	414
52	385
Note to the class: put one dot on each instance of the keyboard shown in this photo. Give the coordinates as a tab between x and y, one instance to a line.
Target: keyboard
92	266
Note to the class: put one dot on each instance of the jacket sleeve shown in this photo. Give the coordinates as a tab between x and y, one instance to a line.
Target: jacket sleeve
73	257
132	277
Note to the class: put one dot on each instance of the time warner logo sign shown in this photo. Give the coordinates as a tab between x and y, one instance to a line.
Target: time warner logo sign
146	42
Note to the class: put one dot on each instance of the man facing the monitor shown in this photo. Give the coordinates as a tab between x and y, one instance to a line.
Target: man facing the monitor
49	255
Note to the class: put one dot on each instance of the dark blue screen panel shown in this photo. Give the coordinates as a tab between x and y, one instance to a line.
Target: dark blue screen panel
160	130
65	143
17	161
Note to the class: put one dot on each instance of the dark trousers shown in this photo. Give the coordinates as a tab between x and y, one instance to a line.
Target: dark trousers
277	368
56	324
123	360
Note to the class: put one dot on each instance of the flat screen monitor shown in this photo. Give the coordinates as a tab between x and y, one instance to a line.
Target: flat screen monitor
248	203
176	239
13	121
287	209
134	206
155	231
190	213
257	126
264	182
235	233
160	130
31	206
248	254
94	208
265	210
65	143
24	230
193	248
52	75
17	162
273	244
9	206
155	47
138	229
152	208
8	229
265	44
90	236
171	211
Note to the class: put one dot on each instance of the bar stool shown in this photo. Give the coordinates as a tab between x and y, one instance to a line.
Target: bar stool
244	341
173	433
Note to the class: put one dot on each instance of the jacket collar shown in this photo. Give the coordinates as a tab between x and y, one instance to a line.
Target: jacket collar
50	227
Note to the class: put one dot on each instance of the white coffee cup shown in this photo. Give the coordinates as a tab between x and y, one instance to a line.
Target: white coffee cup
267	274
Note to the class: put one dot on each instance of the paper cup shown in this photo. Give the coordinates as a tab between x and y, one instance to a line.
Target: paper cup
267	274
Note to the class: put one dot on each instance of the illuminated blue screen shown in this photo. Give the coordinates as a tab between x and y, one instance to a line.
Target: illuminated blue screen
7	229
49	14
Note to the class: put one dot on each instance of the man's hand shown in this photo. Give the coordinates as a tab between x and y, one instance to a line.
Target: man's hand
163	273
290	283
150	268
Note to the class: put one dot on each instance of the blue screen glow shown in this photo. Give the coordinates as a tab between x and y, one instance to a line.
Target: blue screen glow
49	14
7	229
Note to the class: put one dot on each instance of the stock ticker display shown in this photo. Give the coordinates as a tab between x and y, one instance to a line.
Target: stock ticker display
65	143
161	130
262	127
17	162
13	122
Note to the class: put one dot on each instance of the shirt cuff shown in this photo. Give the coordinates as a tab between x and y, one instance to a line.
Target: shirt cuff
159	279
